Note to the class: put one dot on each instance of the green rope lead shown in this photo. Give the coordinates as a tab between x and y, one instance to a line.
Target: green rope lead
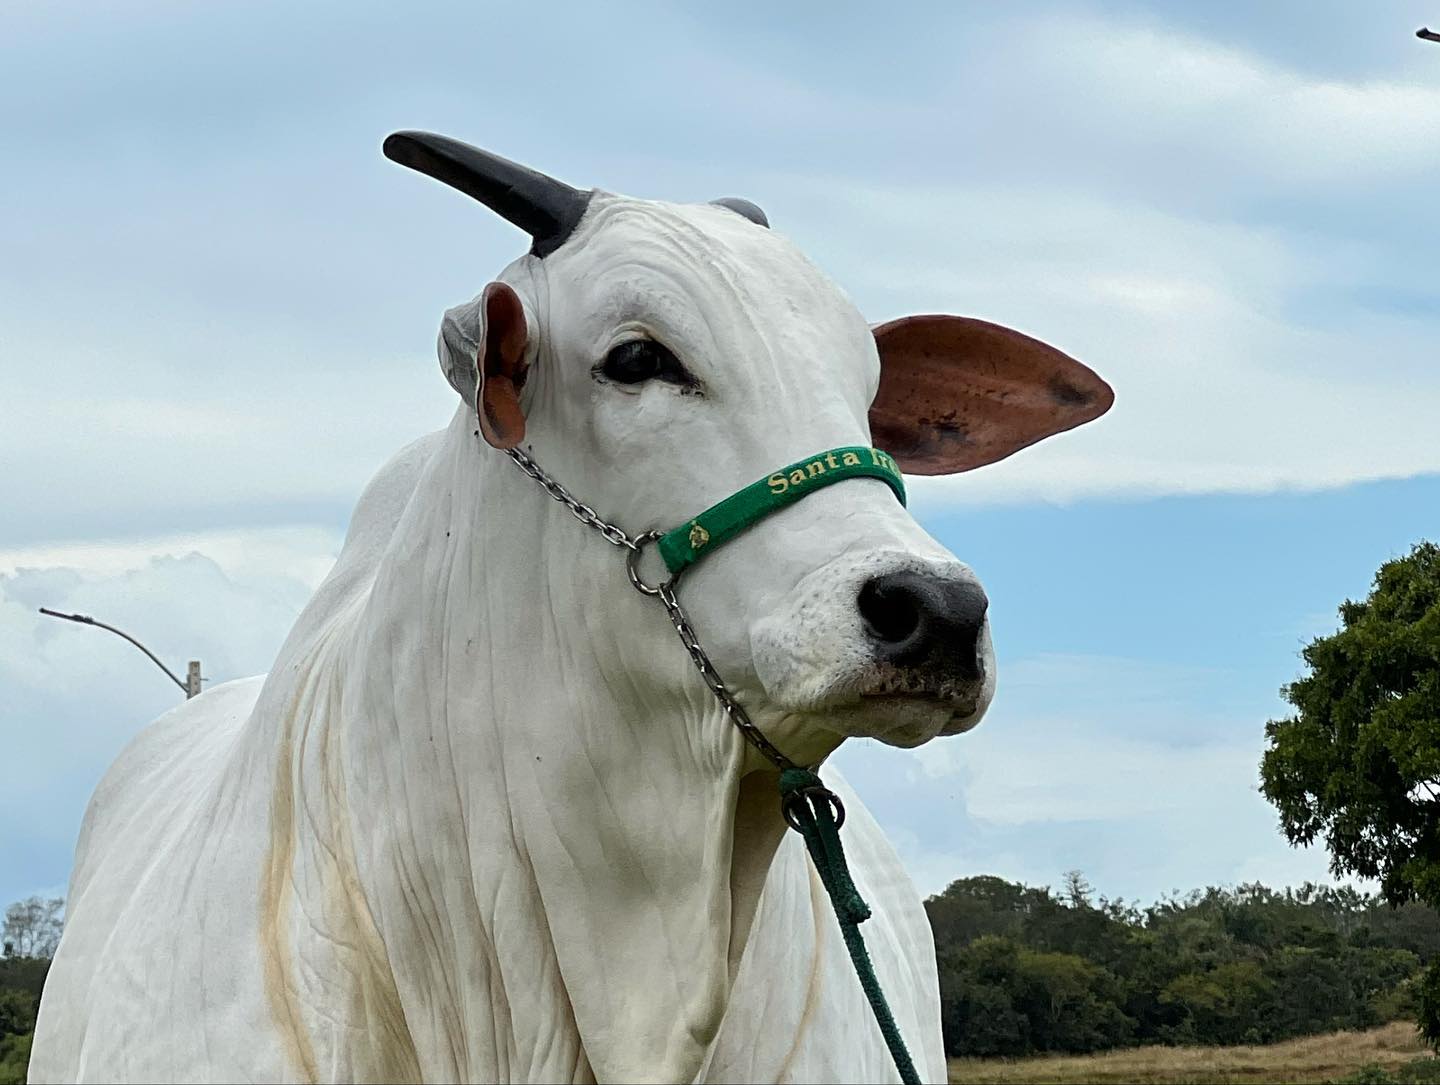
807	805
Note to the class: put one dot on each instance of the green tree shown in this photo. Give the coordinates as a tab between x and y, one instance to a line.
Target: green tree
17	1025
1026	970
1313	993
17	1012
14	1058
973	907
1222	1005
1359	763
979	986
1070	1003
1001	998
31	932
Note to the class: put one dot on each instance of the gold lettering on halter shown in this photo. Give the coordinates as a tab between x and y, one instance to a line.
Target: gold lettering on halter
780	482
698	537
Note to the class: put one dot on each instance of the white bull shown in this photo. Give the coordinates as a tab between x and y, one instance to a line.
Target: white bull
483	821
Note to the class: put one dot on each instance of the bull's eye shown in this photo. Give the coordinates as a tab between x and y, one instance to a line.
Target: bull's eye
641	360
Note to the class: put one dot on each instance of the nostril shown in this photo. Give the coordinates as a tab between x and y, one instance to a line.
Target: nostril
919	620
892	613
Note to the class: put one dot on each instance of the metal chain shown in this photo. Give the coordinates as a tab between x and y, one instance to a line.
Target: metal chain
581	511
796	805
665	592
733	708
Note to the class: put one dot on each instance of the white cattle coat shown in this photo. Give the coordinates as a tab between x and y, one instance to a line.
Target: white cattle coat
448	838
483	820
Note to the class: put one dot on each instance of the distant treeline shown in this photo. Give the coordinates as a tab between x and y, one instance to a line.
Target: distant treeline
1026	970
21	979
28	937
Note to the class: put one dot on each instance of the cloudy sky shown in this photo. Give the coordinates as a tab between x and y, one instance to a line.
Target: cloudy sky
218	305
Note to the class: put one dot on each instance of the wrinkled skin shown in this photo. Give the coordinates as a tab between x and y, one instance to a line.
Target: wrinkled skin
483	821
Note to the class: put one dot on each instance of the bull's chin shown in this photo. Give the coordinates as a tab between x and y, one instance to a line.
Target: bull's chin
917	715
905	720
909	719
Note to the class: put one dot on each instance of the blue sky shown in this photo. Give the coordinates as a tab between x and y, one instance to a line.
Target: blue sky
218	306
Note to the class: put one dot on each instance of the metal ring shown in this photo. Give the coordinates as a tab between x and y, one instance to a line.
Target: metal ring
798	797
632	564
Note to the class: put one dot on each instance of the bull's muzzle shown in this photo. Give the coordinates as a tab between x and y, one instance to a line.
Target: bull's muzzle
926	633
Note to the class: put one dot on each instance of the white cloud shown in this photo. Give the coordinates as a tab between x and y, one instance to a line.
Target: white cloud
303	554
1232	373
1142	105
74	696
1186	216
1191	97
239	322
95	463
1124	783
1054	769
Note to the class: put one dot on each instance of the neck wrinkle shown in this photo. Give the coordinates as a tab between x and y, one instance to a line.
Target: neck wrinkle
325	968
565	813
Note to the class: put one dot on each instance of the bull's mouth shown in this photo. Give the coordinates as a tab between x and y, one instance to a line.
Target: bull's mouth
964	706
958	710
880	686
816	700
896	710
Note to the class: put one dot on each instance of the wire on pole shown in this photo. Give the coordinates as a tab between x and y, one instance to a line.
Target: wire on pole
85	619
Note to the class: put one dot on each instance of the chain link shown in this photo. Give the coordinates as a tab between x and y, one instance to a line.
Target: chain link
733	708
581	511
799	807
666	594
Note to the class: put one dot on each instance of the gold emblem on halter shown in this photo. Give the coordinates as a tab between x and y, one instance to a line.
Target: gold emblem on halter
698	537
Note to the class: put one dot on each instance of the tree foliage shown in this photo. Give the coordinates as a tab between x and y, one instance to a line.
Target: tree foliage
1358	764
31	933
1024	970
20	981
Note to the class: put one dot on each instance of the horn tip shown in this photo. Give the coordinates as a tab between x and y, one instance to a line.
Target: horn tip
400	146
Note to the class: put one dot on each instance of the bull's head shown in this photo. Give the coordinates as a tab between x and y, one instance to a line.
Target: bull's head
656	357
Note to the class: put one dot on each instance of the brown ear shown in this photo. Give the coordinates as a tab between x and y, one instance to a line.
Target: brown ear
501	366
957	393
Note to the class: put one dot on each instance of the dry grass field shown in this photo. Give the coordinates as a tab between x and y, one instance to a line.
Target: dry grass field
1313	1059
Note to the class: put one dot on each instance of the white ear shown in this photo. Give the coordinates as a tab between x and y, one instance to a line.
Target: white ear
461	333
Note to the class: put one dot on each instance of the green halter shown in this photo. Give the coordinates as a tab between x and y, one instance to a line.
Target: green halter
810	808
691	541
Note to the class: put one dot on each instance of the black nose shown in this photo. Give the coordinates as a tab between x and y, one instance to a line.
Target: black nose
923	621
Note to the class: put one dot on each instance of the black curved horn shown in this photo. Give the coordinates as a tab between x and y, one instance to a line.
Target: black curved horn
546	209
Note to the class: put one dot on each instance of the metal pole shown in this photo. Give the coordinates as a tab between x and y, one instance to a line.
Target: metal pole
191	688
